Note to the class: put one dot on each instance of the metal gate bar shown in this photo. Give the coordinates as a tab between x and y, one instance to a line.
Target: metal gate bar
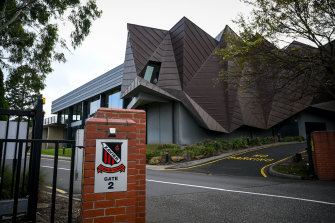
30	195
15	155
71	182
54	183
17	183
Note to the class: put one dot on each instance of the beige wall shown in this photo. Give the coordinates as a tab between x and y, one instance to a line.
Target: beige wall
53	132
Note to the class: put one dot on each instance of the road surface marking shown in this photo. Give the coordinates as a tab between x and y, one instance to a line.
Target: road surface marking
59	190
64	196
250	159
59	168
242	192
214	161
44	158
264	167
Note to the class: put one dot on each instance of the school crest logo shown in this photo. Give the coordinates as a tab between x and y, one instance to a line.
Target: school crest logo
111	156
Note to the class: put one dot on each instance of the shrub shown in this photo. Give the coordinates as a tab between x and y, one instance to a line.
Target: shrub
293	139
300	138
151	154
239	143
268	140
7	183
224	145
255	141
208	148
155	160
166	146
196	150
175	151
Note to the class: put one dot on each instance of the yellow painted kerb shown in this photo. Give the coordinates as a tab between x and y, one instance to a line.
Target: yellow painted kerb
58	190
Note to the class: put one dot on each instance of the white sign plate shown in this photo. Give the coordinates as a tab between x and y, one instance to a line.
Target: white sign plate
111	165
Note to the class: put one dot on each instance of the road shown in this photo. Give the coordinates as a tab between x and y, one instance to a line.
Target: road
175	196
195	195
63	174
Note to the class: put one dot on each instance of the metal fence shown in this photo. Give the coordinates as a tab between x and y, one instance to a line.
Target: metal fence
20	161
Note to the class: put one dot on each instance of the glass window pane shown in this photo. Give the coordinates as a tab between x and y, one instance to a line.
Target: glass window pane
114	100
94	105
148	73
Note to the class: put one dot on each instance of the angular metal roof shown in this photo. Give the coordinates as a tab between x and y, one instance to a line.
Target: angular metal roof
189	68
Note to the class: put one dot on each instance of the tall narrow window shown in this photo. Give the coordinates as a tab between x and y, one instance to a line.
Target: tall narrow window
94	105
152	72
114	100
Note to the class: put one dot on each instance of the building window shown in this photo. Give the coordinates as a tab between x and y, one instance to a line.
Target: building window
114	100
94	105
76	112
152	72
64	116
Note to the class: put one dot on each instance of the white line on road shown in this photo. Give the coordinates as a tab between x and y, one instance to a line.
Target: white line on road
242	192
59	168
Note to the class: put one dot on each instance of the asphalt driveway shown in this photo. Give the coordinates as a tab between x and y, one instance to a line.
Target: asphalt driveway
249	163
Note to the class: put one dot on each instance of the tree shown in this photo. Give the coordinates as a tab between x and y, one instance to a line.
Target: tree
256	55
3	101
29	41
23	88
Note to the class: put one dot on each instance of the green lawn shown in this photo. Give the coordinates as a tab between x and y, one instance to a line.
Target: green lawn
67	152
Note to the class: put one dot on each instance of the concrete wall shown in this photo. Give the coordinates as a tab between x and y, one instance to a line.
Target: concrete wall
159	123
13	134
172	123
53	132
187	129
315	115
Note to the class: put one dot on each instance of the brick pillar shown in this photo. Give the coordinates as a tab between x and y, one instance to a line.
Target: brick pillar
324	154
116	206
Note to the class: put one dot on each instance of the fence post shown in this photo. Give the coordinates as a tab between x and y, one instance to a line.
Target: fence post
113	188
35	160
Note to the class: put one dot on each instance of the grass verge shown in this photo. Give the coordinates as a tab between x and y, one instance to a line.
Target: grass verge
66	152
298	169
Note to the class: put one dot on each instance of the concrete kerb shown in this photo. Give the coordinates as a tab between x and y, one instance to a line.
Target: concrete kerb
209	159
274	173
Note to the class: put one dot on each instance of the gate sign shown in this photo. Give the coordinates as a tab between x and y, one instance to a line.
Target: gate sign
111	165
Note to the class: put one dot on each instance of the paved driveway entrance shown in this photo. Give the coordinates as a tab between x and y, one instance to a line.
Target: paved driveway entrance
249	163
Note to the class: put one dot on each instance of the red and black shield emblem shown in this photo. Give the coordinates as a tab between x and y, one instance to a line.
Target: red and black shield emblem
111	153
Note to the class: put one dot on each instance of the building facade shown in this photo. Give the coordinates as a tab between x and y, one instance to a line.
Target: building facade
171	75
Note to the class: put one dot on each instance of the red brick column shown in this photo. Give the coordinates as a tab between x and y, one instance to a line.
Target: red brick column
127	206
324	154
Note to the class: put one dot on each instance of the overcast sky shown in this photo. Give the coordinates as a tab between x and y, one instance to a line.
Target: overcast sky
104	48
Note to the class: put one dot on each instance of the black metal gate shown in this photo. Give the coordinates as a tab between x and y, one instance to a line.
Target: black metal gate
20	159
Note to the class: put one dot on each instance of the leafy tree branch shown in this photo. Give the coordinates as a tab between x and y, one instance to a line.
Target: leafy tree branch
256	54
30	41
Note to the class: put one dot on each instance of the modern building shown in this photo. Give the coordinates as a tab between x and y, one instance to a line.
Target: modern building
171	75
